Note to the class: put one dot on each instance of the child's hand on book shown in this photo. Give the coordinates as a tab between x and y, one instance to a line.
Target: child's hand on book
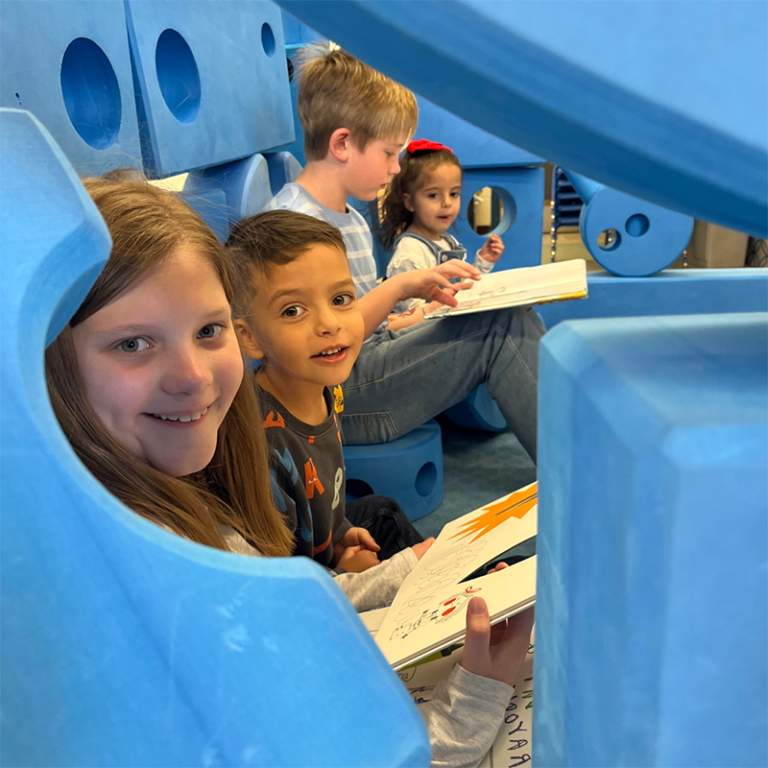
498	652
431	284
357	559
421	549
492	249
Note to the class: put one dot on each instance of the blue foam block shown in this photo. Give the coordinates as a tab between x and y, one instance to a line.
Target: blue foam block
244	184
283	168
409	470
673	292
652	598
474	147
664	101
68	63
644	237
477	411
211	82
522	194
123	644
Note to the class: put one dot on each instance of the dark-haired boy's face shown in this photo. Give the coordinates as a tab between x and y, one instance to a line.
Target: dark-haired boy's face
304	321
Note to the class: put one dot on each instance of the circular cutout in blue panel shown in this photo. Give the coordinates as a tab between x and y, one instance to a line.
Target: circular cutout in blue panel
608	240
267	40
501	208
178	76
637	225
91	93
356	489
426	479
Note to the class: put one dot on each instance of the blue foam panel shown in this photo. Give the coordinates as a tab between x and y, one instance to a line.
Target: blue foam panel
244	183
645	238
522	193
283	168
211	205
211	82
589	87
68	63
474	147
123	644
673	292
652	598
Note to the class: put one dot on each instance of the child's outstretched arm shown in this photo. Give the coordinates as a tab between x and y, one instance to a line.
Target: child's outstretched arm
421	284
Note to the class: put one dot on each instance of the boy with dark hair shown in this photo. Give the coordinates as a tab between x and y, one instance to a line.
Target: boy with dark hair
356	121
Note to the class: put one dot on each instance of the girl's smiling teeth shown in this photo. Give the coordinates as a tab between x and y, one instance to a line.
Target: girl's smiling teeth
330	352
189	417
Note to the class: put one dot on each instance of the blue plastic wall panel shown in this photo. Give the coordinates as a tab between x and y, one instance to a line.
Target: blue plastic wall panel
474	147
664	101
68	63
245	184
673	292
211	81
122	644
652	597
522	194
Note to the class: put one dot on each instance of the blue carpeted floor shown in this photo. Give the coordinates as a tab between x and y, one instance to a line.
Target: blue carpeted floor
479	467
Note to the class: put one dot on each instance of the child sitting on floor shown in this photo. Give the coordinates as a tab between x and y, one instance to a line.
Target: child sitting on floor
300	319
419	208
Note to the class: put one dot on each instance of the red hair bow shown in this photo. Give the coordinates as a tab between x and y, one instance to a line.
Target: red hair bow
424	144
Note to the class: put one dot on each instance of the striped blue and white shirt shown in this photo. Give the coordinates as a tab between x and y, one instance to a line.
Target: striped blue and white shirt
353	227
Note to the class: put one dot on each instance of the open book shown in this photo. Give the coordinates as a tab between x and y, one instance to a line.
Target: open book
429	610
524	286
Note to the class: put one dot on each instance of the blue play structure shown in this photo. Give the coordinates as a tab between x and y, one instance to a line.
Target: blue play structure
123	645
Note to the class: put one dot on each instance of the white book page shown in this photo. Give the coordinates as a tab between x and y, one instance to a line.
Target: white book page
429	610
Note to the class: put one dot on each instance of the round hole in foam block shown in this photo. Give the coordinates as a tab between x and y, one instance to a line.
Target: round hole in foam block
409	470
178	76
267	39
91	93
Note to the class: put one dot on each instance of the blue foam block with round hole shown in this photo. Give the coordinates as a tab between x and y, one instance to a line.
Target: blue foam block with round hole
211	82
628	236
477	411
521	191
409	470
652	597
123	644
68	63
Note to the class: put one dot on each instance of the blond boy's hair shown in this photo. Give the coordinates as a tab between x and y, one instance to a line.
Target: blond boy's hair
339	91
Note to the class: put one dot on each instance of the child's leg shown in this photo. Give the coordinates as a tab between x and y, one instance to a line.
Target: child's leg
385	521
405	378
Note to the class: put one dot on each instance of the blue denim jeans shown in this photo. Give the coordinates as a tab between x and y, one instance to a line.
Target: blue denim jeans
402	379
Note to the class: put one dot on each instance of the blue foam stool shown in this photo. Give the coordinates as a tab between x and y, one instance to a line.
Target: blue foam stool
652	597
477	411
644	238
409	470
283	168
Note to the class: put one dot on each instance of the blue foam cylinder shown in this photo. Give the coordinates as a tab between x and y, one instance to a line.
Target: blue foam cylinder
645	237
283	168
672	292
211	82
123	644
68	63
652	598
477	411
244	184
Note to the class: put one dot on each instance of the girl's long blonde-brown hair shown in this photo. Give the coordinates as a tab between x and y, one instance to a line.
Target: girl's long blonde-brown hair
147	225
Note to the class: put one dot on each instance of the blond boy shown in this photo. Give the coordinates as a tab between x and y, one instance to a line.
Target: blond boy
356	122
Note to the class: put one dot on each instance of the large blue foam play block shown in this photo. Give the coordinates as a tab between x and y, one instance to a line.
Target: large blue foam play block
673	292
652	596
68	63
521	191
605	89
478	411
211	82
474	147
283	168
122	644
409	470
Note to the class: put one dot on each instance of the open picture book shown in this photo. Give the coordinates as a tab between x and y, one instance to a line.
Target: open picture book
428	613
560	281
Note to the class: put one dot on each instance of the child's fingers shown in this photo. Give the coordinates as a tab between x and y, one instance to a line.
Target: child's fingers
364	537
474	657
457	268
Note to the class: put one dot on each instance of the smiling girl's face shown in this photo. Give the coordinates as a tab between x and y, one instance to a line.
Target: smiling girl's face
161	363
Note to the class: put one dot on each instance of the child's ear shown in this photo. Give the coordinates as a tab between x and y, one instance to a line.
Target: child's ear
407	202
248	343
339	144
